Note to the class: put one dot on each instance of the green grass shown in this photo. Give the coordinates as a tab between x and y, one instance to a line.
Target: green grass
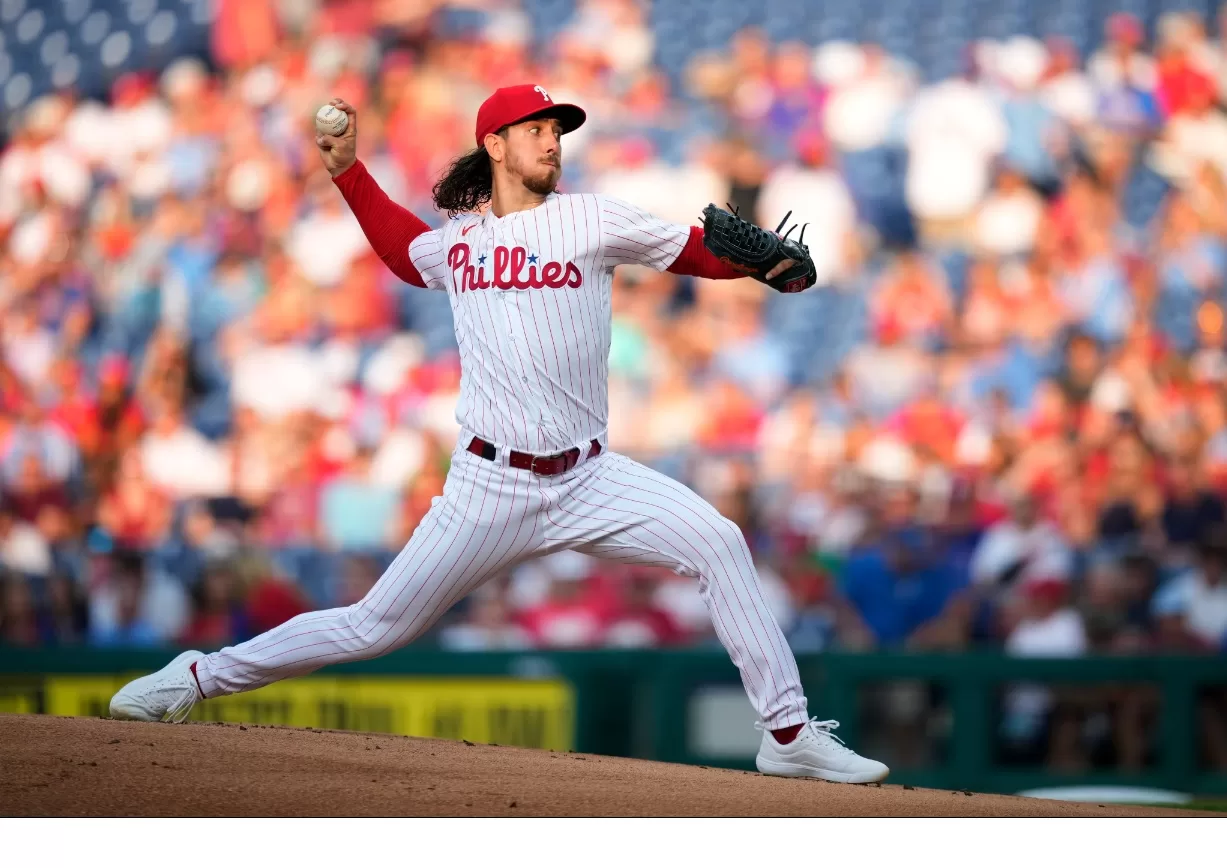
1217	805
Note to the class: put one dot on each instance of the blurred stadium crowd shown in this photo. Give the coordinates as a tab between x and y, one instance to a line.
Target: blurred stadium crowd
1000	421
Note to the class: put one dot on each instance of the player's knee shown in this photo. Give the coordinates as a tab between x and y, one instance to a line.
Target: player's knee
727	548
378	631
370	630
731	535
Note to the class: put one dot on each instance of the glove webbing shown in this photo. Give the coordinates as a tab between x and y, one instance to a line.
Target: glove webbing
753	242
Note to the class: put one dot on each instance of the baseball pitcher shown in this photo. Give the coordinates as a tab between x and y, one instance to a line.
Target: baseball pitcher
529	271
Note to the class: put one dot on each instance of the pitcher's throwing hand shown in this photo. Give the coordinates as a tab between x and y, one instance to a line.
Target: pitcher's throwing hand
340	152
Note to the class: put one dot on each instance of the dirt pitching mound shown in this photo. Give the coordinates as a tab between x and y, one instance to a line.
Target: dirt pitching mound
57	766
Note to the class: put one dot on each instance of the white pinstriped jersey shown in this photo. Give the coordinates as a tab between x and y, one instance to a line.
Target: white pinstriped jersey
530	295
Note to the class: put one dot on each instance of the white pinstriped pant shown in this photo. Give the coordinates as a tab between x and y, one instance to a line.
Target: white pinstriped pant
492	517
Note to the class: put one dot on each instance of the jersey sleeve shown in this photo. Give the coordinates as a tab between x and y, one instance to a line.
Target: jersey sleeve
428	253
632	236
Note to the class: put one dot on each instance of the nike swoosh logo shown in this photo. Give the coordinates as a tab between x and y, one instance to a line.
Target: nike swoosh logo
465	230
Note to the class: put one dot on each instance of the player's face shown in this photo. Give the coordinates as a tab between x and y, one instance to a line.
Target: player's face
534	154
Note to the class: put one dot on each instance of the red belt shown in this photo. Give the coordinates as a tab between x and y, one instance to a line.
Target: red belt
542	465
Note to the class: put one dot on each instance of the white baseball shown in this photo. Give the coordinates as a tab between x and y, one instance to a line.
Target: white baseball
331	121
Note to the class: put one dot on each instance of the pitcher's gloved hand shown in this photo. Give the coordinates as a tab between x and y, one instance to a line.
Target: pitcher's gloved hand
776	260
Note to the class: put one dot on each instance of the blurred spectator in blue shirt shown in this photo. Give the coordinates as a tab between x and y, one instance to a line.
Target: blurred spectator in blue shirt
1094	288
127	627
1191	268
897	583
748	354
355	511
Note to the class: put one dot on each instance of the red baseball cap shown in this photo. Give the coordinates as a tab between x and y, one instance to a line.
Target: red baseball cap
511	105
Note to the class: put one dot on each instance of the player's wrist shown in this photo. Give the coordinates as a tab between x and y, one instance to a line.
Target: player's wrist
338	171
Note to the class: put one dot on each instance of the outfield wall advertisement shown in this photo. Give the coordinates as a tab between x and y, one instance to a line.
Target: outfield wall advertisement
537	714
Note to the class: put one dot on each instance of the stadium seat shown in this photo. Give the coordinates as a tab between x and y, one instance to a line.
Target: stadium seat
18	90
49	44
74	11
931	33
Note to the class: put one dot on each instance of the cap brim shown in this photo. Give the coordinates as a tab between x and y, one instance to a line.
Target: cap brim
572	116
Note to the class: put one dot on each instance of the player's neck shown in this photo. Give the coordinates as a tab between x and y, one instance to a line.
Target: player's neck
509	196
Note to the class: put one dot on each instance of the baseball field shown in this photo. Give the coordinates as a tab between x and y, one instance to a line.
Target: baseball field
60	766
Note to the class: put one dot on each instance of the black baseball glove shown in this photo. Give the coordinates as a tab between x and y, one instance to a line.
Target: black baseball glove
755	251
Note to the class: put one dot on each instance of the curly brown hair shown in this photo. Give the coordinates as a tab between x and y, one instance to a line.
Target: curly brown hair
467	184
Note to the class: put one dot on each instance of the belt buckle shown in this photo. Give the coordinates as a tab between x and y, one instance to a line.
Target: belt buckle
563	456
533	466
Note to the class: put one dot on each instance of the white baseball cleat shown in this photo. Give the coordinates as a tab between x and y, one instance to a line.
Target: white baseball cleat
817	752
167	694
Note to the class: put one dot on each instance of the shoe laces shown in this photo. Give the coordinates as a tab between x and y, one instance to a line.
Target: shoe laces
824	728
182	706
827	728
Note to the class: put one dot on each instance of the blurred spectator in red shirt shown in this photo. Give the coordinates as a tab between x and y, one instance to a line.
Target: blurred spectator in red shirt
912	298
567	616
733	419
639	623
929	426
271	601
1183	85
113	424
133	512
245	32
218	617
33	491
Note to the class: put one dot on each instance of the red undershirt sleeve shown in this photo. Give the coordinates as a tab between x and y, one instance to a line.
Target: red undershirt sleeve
697	261
388	227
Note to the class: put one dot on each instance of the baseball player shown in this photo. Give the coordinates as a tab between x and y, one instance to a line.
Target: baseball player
528	271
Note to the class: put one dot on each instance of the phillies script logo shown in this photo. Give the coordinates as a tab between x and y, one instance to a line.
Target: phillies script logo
513	268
